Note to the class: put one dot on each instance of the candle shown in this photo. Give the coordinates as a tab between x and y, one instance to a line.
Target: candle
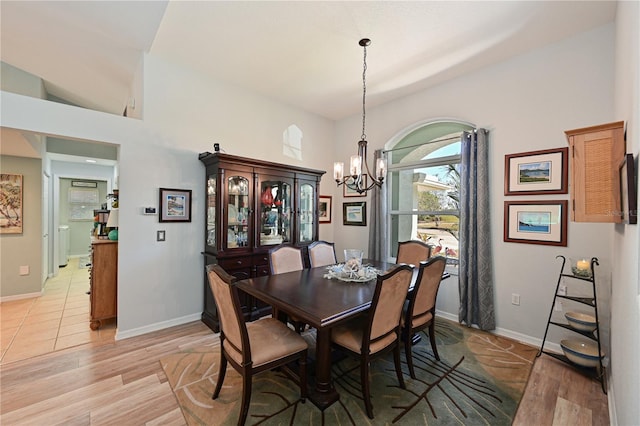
583	265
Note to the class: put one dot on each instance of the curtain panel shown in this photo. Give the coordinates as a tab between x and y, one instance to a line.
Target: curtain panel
476	268
378	248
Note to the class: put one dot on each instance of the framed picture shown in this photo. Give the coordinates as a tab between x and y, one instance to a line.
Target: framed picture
324	209
10	204
536	172
354	213
629	203
348	192
536	222
175	205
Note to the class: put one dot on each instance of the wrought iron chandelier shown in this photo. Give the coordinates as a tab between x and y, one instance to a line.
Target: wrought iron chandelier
356	179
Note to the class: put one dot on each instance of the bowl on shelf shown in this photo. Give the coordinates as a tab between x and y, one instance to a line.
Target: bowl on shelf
581	321
581	352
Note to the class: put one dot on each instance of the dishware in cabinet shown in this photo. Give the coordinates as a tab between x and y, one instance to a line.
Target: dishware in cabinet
584	355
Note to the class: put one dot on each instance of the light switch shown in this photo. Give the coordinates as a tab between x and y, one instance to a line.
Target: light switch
24	270
160	236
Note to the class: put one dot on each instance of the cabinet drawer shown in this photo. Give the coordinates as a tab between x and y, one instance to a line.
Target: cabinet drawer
235	263
261	259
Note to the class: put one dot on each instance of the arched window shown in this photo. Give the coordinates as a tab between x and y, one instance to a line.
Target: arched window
423	186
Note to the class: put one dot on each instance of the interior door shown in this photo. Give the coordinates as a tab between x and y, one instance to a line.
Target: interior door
45	227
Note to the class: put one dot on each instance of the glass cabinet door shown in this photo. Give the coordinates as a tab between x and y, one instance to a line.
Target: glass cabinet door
238	210
275	212
307	213
211	210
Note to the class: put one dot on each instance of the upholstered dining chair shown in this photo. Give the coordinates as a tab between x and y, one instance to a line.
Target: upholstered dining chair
419	313
283	259
251	347
377	332
322	253
413	252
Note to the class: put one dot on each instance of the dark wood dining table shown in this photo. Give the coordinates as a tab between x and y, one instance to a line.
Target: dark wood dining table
320	302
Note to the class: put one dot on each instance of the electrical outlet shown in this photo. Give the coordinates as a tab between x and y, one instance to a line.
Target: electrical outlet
515	299
24	270
562	290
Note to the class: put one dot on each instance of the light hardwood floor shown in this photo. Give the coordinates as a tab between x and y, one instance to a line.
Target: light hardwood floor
106	382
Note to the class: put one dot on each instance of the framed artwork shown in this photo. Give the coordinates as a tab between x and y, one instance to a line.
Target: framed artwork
324	209
354	213
537	172
629	203
175	205
536	222
10	204
348	192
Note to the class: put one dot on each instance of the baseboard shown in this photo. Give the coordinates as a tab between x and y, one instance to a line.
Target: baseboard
120	335
523	338
21	296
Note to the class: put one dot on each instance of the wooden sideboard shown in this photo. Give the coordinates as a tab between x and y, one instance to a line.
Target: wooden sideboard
104	281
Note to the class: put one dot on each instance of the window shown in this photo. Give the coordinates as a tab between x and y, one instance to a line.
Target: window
423	183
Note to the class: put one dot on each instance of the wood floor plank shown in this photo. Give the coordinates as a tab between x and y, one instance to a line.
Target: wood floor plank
567	413
136	410
172	418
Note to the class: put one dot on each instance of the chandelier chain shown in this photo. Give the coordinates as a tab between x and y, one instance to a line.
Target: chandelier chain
364	93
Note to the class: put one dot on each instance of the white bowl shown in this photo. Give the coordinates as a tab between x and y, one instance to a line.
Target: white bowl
581	352
581	321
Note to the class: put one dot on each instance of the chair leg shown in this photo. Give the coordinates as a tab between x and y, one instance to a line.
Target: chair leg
432	339
408	353
366	391
221	373
303	377
396	359
246	396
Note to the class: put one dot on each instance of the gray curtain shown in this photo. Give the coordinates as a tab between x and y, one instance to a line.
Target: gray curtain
476	269
378	249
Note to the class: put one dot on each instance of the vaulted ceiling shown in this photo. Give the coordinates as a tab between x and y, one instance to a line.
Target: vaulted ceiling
302	53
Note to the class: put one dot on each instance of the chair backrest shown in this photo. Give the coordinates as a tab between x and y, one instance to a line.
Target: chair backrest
386	305
232	325
413	252
425	290
322	253
285	259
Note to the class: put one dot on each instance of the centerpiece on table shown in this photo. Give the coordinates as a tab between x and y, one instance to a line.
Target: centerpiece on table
352	269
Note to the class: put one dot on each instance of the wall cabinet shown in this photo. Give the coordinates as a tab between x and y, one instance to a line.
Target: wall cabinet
251	206
596	154
103	278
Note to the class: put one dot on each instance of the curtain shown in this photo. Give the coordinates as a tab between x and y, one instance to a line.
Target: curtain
378	249
476	269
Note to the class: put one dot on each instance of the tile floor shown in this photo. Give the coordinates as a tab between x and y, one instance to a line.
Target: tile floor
56	320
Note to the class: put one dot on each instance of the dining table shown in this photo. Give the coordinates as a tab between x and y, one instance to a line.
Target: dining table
322	303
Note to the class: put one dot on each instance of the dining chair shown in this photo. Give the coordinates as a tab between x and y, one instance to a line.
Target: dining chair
284	258
322	253
420	312
251	347
413	252
376	333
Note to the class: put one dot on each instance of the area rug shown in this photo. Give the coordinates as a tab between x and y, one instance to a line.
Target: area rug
479	380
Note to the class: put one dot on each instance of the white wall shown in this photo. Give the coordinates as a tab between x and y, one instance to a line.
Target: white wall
625	293
526	103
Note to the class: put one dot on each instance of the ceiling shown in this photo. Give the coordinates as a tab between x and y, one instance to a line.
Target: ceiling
303	53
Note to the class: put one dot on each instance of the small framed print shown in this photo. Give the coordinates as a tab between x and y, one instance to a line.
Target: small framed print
324	209
537	172
11	203
629	203
175	205
354	213
349	192
536	222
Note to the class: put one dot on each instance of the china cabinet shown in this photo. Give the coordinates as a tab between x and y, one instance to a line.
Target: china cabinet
251	206
596	154
583	272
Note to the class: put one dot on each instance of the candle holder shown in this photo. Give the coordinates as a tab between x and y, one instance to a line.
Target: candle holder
581	267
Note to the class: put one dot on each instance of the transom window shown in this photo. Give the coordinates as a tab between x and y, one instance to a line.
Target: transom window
424	188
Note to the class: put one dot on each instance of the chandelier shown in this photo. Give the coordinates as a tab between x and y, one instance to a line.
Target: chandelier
356	180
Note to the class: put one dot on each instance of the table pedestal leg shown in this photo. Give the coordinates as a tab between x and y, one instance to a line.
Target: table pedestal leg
323	394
